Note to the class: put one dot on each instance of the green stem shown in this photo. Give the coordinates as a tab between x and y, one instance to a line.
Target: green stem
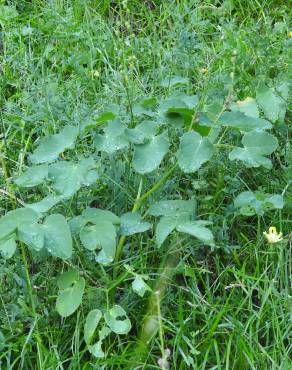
257	244
138	202
224	146
34	314
117	281
151	322
259	235
5	171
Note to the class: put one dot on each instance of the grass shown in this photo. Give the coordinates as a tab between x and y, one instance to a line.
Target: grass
228	308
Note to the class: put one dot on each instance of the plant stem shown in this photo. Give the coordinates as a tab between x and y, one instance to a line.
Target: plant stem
30	293
138	202
259	235
152	319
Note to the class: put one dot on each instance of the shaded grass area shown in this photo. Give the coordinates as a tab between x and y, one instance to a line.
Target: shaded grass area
226	308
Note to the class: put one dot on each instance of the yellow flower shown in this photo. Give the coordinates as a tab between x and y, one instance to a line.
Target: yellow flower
94	73
204	70
290	34
273	236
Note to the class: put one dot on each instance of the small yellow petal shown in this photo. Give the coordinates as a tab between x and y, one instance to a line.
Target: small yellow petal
273	236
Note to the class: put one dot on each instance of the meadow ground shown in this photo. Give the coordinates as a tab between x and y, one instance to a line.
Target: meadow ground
224	306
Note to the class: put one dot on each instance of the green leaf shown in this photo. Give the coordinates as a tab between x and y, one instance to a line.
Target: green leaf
58	239
113	139
7	13
264	142
91	322
96	349
117	326
51	147
242	122
13	219
69	299
273	106
144	106
248	106
173	208
45	204
194	150
131	224
139	286
164	227
68	177
76	224
2	341
284	88
33	176
174	81
96	215
8	247
250	203
67	279
256	145
148	156
101	235
173	212
198	230
179	103
97	121
32	235
142	133
250	157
